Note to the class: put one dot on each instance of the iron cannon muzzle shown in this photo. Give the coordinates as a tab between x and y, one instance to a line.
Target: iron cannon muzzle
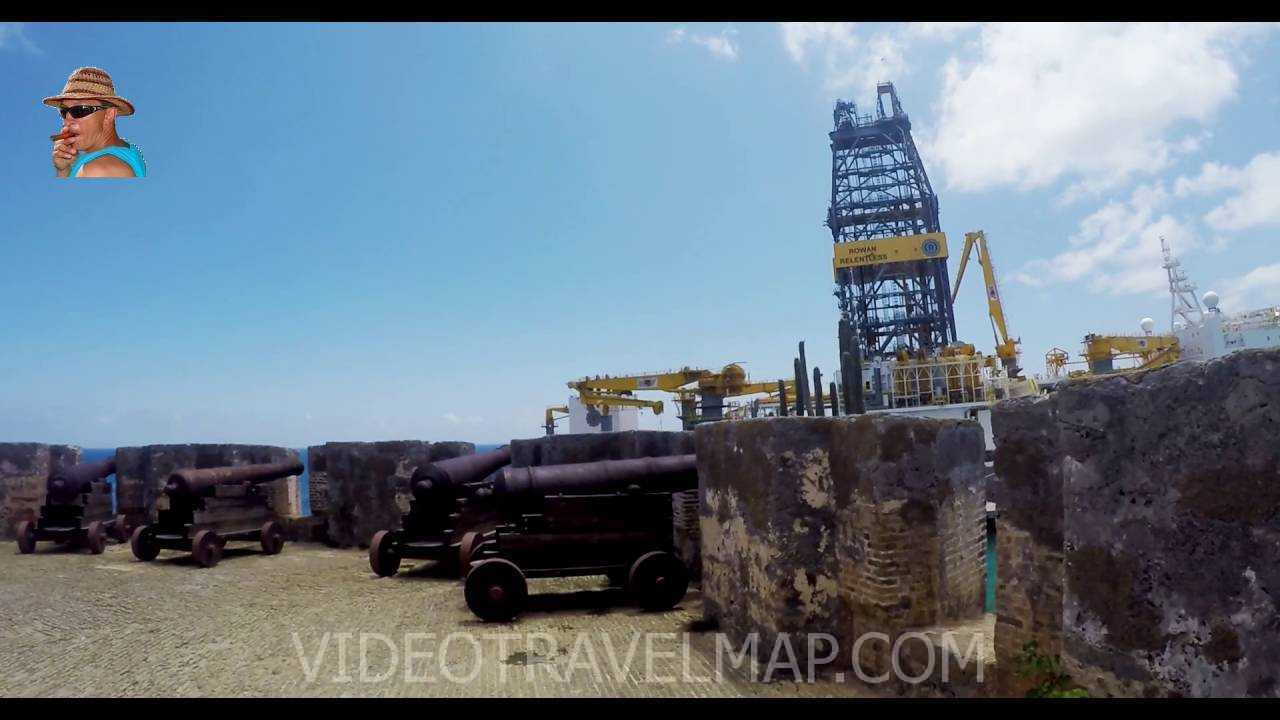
203	482
673	473
64	486
452	476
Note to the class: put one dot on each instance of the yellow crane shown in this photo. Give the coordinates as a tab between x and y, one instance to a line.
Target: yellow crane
687	383
550	425
1150	351
603	391
1055	361
731	381
1006	346
1147	351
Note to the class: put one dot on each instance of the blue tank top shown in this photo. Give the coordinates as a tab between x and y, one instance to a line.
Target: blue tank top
130	154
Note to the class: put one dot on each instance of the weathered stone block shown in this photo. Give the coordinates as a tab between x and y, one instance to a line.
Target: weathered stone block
318	481
1027	490
141	472
365	485
1170	487
24	472
841	526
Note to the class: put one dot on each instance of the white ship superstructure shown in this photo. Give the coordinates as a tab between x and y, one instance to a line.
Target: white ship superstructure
1203	331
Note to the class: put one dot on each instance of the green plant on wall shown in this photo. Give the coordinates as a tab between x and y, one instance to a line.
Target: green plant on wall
1046	674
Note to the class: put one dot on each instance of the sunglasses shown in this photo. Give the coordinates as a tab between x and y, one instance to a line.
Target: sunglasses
81	111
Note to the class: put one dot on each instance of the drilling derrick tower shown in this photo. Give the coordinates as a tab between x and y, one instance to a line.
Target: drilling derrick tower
890	254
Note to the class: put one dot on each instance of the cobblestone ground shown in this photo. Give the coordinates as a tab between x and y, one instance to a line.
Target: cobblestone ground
314	621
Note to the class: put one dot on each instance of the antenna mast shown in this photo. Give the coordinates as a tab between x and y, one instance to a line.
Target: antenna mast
1182	292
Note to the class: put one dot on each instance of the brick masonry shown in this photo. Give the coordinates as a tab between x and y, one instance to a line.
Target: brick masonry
841	525
360	488
1168	528
1027	490
24	472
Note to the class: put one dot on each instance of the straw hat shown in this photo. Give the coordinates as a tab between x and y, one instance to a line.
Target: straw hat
90	83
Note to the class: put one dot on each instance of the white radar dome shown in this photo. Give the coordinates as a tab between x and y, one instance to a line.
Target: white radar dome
1211	299
1147	325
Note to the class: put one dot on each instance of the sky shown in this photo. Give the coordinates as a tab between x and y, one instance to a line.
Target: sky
423	231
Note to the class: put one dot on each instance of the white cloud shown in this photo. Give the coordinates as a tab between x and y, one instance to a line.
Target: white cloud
799	37
1256	201
1117	248
721	45
1213	178
1255	289
13	35
847	61
1094	103
455	419
940	30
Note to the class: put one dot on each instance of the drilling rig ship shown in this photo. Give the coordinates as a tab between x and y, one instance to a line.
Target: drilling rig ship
898	346
898	339
898	342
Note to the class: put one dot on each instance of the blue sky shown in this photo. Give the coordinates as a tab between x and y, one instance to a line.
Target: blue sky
360	232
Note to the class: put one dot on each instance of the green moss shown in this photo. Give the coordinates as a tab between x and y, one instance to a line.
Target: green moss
1046	674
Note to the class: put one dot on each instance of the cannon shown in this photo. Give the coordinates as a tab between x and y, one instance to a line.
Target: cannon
76	510
611	518
672	473
444	505
210	506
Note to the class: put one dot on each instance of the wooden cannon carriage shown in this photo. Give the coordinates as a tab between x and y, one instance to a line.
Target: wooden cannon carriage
77	510
209	507
611	518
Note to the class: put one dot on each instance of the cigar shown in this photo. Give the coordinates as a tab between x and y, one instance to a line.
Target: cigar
60	136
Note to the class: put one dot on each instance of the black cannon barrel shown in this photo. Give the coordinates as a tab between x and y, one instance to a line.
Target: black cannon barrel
442	475
672	473
65	484
203	482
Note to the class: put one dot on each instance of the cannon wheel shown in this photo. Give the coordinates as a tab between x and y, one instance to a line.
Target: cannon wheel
496	590
383	557
206	548
144	544
120	530
271	537
466	549
26	537
658	580
96	538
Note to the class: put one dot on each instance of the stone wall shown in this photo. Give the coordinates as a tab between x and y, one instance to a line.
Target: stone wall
841	525
592	447
141	473
24	472
360	488
1027	490
1168	527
